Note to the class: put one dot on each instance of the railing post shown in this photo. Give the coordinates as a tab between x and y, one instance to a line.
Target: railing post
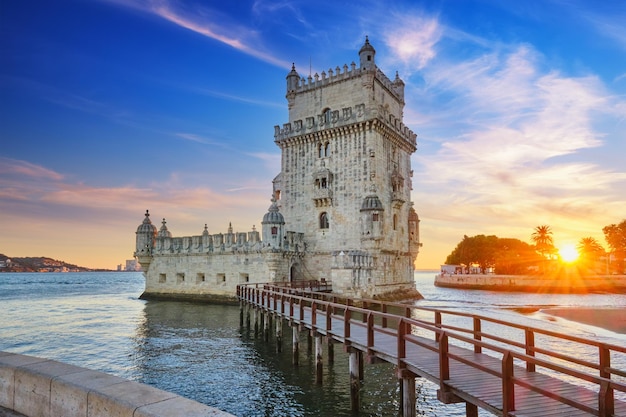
508	387
530	349
437	324
477	334
606	400
329	313
313	315
346	323
384	319
401	342
443	393
370	332
605	362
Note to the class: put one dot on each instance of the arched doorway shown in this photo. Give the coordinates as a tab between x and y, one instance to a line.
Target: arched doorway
294	274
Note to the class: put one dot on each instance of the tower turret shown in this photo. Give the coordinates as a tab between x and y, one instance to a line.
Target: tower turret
145	241
366	56
273	226
292	79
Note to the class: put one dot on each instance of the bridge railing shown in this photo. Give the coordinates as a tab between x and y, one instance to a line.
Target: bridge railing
396	320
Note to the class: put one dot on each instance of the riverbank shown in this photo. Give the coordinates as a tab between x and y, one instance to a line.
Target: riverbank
561	283
613	319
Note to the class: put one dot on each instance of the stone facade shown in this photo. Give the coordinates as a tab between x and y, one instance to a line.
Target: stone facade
341	206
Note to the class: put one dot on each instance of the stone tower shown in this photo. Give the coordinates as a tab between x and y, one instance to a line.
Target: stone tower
345	178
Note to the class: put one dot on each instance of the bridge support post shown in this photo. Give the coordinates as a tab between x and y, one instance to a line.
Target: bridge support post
296	344
331	351
319	363
355	379
248	316
408	396
267	317
471	410
279	334
241	312
261	322
256	322
309	343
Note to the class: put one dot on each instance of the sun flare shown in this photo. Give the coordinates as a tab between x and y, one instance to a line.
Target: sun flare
568	253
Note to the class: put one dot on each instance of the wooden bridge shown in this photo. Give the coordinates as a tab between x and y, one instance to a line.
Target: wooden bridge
486	370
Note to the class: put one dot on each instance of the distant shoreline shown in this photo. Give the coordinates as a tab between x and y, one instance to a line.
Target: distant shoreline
561	284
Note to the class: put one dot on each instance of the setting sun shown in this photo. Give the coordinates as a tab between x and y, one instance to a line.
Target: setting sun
568	253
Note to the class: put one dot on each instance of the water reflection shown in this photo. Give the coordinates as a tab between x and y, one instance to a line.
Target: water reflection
200	351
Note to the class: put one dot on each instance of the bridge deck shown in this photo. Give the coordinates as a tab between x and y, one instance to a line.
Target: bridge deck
475	378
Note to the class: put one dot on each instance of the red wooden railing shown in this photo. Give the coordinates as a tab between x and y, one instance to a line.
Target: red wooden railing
376	318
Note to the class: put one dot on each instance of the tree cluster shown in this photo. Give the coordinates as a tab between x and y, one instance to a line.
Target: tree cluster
513	256
503	255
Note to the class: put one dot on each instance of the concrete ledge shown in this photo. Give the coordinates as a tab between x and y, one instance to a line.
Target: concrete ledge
562	283
40	387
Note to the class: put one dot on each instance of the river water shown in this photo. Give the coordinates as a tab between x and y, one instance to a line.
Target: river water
96	320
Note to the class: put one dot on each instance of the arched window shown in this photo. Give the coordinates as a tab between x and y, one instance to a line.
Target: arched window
327	149
326	114
320	150
395	222
274	230
324	220
374	217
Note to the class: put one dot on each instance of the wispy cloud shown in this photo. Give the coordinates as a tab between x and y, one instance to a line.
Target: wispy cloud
209	23
26	170
512	144
412	39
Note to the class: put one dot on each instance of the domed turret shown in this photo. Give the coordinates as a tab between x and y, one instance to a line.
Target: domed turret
273	224
273	215
366	56
292	79
146	237
372	202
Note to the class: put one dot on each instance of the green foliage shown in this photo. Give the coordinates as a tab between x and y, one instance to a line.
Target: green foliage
505	255
615	236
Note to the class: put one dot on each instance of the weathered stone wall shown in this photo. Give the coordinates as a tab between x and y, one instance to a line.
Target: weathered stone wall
212	276
39	387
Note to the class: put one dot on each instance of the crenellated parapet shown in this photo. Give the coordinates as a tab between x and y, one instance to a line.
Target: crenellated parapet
223	243
344	118
316	81
206	243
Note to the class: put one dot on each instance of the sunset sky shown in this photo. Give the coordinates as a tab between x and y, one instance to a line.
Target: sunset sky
112	107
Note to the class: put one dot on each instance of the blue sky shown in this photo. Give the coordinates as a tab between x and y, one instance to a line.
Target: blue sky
112	107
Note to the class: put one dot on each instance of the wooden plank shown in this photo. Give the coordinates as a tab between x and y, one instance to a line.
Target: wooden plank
466	380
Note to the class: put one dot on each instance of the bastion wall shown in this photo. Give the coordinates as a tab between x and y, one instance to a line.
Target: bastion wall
40	387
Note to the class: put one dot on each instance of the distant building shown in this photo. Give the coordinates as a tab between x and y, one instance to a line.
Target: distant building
341	206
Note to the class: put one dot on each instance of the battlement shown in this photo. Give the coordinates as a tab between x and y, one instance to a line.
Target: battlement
343	118
395	88
222	243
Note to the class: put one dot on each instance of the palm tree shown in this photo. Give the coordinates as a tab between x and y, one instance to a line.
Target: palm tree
542	237
590	250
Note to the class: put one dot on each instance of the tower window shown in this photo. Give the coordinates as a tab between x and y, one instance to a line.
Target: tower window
327	149
326	114
395	222
374	217
324	220
274	230
369	57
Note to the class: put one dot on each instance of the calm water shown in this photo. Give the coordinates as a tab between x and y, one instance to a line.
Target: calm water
96	320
